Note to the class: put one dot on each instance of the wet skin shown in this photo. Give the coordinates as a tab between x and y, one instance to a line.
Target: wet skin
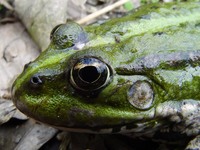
138	74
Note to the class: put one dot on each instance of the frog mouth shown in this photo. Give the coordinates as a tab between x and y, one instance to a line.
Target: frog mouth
125	128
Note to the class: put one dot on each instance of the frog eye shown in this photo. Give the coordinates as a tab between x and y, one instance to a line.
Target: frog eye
54	30
69	35
140	95
89	74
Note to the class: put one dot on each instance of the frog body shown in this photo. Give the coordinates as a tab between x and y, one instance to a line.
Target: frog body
139	75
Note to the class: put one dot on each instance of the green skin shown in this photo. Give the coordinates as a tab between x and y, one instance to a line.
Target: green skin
158	44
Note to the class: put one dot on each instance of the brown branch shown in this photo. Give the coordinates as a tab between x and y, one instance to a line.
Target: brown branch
102	11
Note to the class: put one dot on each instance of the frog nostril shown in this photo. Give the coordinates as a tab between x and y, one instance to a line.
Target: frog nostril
36	80
26	65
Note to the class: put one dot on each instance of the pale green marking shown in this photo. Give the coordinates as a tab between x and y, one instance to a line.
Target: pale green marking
145	26
179	76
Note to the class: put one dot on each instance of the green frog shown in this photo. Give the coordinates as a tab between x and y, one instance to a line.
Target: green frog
137	75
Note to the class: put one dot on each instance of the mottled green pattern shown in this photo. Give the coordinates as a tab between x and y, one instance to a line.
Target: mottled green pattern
157	44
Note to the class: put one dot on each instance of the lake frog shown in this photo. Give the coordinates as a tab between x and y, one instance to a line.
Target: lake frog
137	75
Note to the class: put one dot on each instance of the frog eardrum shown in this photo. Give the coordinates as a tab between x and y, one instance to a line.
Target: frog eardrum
140	95
90	74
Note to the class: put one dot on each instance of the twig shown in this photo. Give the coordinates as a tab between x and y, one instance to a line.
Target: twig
8	19
6	4
102	11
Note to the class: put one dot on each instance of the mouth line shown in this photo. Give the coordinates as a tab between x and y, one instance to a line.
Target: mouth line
125	128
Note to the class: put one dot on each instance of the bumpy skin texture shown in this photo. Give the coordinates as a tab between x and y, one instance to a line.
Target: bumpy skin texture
152	77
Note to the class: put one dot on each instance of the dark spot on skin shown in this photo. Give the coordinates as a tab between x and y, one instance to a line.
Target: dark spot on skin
158	33
174	8
154	7
76	114
197	25
121	33
117	39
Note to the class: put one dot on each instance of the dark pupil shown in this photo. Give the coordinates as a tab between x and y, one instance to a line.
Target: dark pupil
89	74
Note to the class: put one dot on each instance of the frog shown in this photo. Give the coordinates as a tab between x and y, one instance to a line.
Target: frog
137	75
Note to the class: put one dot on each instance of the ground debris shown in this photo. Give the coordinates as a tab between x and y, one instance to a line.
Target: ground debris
24	135
16	50
7	110
40	16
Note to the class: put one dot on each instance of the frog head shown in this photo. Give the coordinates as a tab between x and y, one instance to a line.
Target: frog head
78	88
105	79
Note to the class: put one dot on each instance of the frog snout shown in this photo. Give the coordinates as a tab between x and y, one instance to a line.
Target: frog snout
13	93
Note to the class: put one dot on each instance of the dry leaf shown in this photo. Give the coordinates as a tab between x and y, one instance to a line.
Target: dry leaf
40	16
16	49
7	110
35	137
24	135
75	11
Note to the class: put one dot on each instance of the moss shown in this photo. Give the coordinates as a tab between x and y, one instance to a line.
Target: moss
154	44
